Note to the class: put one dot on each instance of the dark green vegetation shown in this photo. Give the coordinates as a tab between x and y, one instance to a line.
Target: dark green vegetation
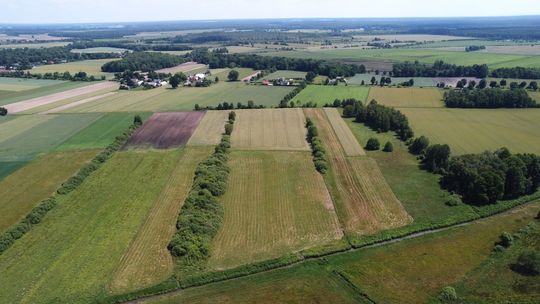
383	119
489	98
438	69
517	72
317	149
143	61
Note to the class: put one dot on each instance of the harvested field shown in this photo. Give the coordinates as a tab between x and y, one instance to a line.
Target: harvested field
39	101
210	129
276	203
25	188
77	103
8	97
366	78
91	67
321	95
147	261
407	97
364	201
166	130
348	142
269	129
184	67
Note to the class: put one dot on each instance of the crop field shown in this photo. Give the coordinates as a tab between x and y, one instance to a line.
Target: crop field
21	84
91	67
366	78
348	142
493	128
327	94
101	133
26	136
66	106
34	45
25	188
276	203
147	261
99	50
185	99
269	129
285	74
407	97
15	96
210	129
184	68
364	201
166	130
6	168
74	252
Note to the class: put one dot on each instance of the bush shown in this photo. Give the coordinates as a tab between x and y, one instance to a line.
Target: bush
448	294
388	147
317	150
453	200
233	75
506	240
373	144
229	128
3	111
232	116
528	262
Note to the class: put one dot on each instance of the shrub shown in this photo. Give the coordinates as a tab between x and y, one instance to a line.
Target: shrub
232	116
528	262
388	147
448	294
317	149
506	240
228	128
137	120
453	200
3	111
373	144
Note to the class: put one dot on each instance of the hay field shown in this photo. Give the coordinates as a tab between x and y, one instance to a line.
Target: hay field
407	97
477	130
210	129
285	74
418	81
91	67
365	202
348	142
276	203
269	129
184	68
15	96
321	94
21	84
25	188
74	252
147	261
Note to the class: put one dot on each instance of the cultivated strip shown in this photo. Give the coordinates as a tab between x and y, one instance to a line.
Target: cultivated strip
209	130
77	103
348	142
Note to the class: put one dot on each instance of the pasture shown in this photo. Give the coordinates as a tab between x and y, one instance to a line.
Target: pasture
74	252
366	78
407	97
269	129
364	201
22	84
348	142
276	203
285	74
25	188
91	67
210	129
477	130
321	95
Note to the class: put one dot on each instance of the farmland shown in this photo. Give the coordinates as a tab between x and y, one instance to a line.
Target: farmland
184	67
91	67
276	203
269	129
15	96
366	78
321	95
348	142
285	74
407	97
18	84
209	130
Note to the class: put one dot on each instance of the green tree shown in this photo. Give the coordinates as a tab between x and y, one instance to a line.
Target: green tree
419	145
310	76
373	80
174	81
233	75
3	111
373	144
388	147
228	129
232	116
506	240
137	120
529	262
436	158
503	82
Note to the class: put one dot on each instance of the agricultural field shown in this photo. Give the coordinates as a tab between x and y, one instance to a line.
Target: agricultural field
184	68
21	84
413	37
25	188
99	50
493	128
366	78
364	201
15	96
348	142
210	129
91	67
75	251
276	203
33	45
166	130
269	129
535	96
321	95
285	74
407	97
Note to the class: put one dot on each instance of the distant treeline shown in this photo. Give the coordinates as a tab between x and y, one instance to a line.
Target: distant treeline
517	72
489	98
143	61
130	45
438	69
79	76
321	67
474	48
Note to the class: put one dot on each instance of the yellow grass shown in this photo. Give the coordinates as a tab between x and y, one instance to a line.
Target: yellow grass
210	129
346	137
407	97
276	203
147	261
270	129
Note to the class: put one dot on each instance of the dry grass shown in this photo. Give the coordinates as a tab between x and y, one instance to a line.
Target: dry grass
344	134
407	97
270	129
147	261
210	129
365	202
276	203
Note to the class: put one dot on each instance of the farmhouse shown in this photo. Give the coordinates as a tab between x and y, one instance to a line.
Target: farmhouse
194	79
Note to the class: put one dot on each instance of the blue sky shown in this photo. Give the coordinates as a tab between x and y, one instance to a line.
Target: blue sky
60	11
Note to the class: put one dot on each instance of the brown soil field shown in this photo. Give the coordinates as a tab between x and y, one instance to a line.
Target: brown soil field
407	97
210	129
364	201
77	103
166	130
184	67
344	134
270	129
44	100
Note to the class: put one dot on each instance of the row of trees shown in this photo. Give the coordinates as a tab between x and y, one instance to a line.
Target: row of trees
489	98
381	118
516	72
284	103
438	69
79	76
143	61
229	106
474	48
317	149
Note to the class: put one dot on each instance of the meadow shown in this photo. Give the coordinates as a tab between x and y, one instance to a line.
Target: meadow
16	96
285	74
21	84
407	97
91	67
321	95
366	78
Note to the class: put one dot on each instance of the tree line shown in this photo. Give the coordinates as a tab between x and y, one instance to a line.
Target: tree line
438	69
489	98
79	76
317	149
516	72
130	45
474	48
143	61
380	118
229	106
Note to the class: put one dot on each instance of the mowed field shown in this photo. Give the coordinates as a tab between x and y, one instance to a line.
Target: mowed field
166	130
321	95
477	130
364	201
184	68
210	129
8	97
269	129
22	84
91	67
276	203
366	78
25	188
73	254
407	97
348	142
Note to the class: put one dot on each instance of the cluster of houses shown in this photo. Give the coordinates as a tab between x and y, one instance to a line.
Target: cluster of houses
193	80
278	82
145	81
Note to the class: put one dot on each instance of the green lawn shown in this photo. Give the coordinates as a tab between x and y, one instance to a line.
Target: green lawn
327	94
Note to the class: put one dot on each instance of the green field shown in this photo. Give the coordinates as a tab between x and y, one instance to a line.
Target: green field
99	50
72	255
184	99
102	132
477	130
407	97
285	74
8	97
535	95
25	188
6	168
26	136
91	67
21	84
418	81
34	45
327	94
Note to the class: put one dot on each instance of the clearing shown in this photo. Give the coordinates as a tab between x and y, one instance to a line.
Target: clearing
210	129
321	94
407	97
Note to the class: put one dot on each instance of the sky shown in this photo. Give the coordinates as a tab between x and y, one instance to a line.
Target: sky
84	11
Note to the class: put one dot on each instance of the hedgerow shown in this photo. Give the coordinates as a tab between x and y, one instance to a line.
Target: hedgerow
317	150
